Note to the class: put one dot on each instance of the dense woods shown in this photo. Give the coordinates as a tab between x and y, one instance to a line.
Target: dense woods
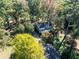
55	22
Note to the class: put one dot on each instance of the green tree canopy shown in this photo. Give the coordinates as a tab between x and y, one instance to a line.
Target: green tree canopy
27	47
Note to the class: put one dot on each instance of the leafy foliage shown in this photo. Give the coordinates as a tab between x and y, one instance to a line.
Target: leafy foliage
29	28
64	14
13	9
4	38
1	23
20	28
26	47
70	14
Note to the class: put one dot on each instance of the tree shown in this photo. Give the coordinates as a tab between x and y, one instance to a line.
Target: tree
29	28
20	28
27	47
13	9
69	16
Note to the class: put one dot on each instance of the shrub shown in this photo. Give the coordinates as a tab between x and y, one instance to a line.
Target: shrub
26	47
20	28
1	23
4	38
28	27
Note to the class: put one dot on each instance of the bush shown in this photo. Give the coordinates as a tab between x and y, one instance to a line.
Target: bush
20	28
26	47
28	27
4	38
1	23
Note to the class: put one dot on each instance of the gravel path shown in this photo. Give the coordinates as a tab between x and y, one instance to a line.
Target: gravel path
5	54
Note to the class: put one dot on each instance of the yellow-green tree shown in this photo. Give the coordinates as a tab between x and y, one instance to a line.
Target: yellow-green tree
27	47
